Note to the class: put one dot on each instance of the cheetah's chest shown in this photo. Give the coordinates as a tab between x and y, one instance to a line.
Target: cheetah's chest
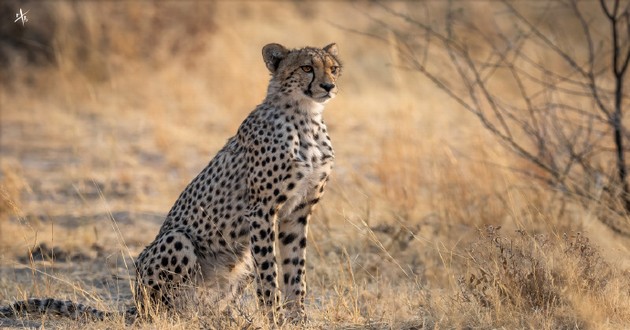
313	162
314	158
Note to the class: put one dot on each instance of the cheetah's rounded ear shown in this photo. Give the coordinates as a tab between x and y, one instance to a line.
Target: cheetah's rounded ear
332	49
272	55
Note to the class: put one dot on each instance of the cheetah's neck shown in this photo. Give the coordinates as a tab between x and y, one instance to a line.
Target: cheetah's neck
302	107
310	108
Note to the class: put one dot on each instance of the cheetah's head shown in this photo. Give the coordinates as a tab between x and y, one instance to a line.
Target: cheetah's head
307	73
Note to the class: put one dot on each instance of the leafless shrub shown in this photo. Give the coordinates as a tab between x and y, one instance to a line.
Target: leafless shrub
510	271
542	277
549	90
593	271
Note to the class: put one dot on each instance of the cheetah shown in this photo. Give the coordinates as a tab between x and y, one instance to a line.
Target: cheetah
246	215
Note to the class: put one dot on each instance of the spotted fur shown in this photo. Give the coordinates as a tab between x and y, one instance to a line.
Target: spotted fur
247	213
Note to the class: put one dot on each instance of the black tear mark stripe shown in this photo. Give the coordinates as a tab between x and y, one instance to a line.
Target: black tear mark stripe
309	91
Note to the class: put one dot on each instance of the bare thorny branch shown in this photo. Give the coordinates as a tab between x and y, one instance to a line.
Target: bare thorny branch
619	66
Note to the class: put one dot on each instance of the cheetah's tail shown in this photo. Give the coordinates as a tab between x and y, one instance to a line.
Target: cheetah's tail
64	308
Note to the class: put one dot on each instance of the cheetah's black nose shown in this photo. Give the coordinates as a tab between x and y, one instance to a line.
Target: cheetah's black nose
327	87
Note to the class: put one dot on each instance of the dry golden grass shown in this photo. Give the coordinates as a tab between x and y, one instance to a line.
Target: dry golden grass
95	149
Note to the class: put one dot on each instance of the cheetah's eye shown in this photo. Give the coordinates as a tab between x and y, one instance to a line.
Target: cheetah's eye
307	68
334	69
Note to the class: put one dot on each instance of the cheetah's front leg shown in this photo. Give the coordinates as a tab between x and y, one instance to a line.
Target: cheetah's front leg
292	233
292	240
262	236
